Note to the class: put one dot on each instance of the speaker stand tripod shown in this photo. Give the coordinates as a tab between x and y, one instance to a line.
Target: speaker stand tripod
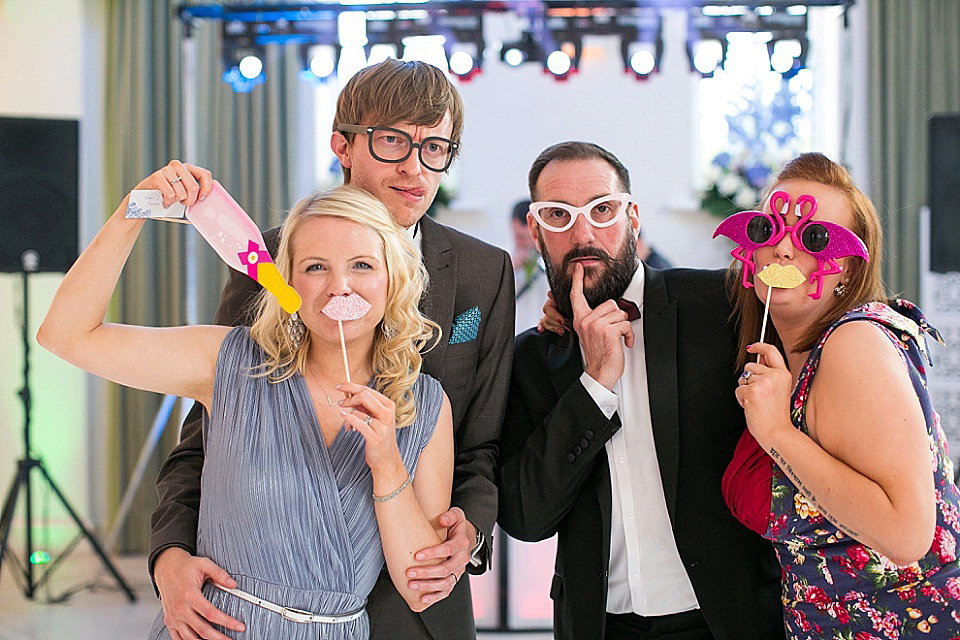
21	482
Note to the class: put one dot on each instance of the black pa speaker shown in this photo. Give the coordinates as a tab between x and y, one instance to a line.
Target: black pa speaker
38	194
944	196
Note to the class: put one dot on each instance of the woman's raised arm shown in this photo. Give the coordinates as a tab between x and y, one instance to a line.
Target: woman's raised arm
178	360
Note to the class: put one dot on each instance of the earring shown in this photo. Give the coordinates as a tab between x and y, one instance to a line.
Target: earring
295	330
840	290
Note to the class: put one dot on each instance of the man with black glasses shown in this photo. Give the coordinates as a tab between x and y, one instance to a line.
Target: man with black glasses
396	130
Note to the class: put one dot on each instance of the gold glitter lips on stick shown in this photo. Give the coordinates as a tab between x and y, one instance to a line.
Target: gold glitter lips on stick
780	277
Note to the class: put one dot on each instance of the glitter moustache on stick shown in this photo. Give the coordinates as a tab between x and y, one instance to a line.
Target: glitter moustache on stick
780	277
341	308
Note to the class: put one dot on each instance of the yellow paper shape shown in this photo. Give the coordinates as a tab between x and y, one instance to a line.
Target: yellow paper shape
781	277
270	279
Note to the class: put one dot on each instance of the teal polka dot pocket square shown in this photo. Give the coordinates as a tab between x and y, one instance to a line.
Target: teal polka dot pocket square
465	326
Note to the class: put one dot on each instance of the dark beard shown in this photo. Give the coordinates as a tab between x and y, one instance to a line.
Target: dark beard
615	275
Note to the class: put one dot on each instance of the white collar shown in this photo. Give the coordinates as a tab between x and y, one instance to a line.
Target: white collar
634	292
413	232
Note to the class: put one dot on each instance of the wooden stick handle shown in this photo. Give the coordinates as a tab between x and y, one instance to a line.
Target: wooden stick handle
343	348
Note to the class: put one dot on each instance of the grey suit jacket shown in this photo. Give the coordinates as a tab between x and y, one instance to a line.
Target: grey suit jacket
469	281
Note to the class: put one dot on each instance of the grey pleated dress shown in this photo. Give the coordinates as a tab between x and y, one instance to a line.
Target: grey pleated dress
291	520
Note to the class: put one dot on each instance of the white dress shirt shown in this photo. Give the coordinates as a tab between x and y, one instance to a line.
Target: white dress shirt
646	575
413	232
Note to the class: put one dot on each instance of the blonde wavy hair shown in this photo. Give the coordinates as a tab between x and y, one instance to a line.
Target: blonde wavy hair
404	331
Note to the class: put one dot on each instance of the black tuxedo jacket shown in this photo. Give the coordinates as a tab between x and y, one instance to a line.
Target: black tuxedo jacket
554	476
464	273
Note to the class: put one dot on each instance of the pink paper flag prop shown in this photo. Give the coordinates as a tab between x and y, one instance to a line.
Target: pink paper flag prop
781	277
342	308
229	230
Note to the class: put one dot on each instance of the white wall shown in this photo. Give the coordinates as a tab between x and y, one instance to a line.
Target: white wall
52	68
651	125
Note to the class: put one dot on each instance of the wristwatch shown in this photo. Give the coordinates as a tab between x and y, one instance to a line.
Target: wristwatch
475	559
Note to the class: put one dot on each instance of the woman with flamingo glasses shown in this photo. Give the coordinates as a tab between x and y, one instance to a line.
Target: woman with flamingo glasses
844	465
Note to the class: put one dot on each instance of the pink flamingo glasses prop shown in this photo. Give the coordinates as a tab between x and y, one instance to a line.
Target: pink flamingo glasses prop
342	308
825	241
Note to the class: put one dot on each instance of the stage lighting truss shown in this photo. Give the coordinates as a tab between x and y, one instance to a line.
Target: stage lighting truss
552	38
709	28
555	37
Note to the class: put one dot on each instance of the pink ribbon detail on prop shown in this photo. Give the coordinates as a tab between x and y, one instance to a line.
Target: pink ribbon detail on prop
253	256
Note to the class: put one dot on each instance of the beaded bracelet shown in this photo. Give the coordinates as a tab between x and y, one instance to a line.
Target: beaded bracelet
395	492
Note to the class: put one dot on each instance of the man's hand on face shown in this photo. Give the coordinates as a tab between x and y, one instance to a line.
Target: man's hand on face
187	614
600	331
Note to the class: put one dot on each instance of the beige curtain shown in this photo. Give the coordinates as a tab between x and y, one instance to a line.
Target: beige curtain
242	138
914	73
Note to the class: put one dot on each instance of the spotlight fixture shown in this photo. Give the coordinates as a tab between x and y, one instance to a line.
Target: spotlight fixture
707	55
242	56
563	61
243	68
250	66
788	56
642	58
462	64
641	44
559	63
319	61
526	49
464	58
464	44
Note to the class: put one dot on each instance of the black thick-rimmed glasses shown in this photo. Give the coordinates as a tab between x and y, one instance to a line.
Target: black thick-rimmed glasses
394	146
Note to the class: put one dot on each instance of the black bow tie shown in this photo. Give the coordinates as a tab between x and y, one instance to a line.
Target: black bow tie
633	311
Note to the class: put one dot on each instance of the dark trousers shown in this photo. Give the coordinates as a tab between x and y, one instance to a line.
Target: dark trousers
688	625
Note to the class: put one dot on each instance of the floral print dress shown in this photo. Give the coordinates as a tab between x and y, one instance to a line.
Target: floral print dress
833	586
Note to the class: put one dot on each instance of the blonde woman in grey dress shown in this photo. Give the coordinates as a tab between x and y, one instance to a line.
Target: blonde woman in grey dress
310	482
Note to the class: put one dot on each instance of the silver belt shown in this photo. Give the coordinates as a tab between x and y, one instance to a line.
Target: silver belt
294	615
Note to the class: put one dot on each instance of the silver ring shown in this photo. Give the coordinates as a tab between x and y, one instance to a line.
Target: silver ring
177	179
455	578
746	375
368	420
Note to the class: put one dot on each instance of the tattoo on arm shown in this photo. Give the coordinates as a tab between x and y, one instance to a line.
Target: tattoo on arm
809	495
